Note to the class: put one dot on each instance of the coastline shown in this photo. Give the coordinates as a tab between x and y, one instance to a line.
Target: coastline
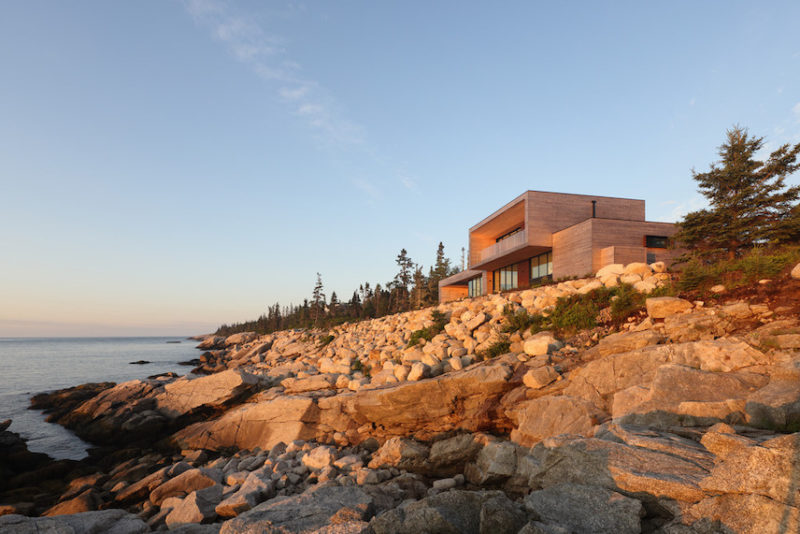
554	431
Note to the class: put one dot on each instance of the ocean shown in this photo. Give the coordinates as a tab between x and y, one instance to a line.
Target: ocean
33	365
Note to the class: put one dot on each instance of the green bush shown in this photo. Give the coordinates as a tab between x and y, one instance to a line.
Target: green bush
326	340
579	312
498	348
357	366
516	321
699	275
439	320
627	302
574	313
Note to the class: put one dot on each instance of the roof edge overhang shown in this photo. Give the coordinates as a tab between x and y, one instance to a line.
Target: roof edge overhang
514	255
460	279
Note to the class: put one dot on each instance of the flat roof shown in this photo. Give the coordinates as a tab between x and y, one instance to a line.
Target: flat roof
521	197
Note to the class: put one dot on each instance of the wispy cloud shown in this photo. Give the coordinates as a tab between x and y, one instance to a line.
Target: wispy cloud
266	55
409	183
372	191
796	111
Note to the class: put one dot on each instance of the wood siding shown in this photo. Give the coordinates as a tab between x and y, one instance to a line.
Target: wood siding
548	213
585	247
572	251
448	293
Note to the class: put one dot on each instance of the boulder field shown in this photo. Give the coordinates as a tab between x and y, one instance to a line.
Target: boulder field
681	420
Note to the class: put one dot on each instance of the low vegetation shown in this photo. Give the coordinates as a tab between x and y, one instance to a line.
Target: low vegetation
439	320
758	264
498	348
578	312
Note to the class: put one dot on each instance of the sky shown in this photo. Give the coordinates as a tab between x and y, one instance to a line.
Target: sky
169	166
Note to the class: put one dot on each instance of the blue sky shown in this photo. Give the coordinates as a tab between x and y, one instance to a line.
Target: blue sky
168	166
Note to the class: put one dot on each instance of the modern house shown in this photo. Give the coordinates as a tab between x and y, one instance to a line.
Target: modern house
540	236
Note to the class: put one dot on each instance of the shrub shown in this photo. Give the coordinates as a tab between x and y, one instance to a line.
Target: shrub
759	263
499	347
574	313
627	302
357	366
439	320
326	340
516	320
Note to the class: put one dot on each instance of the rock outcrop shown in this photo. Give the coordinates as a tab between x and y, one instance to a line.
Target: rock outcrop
679	419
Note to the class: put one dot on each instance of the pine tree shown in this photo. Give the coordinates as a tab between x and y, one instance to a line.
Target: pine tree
402	280
441	269
749	201
420	287
334	305
318	301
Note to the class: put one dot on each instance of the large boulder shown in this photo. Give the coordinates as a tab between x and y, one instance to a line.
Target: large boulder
466	400
319	457
318	507
187	394
184	484
613	269
258	424
769	469
143	487
618	466
541	343
453	512
449	456
115	414
747	514
586	509
252	491
541	418
599	380
540	377
685	395
198	507
623	342
85	501
240	338
402	453
777	405
212	343
102	522
497	461
661	307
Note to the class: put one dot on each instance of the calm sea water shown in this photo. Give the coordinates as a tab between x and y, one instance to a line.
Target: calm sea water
32	365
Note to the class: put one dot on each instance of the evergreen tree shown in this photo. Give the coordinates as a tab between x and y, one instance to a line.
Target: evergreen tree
749	201
401	281
334	306
318	301
441	269
420	287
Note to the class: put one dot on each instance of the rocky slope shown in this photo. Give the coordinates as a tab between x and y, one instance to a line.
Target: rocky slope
680	421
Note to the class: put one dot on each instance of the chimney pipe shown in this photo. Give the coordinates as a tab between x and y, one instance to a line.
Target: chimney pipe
594	209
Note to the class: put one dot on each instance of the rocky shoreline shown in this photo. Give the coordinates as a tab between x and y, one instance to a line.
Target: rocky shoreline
682	420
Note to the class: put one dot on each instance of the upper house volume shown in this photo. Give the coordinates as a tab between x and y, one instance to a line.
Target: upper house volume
541	235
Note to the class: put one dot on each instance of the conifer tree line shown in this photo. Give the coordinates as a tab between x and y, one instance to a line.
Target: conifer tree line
750	203
410	289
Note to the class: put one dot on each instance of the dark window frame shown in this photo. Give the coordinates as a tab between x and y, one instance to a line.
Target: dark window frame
475	287
509	234
656	241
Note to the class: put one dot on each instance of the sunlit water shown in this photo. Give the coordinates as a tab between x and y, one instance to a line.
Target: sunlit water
33	365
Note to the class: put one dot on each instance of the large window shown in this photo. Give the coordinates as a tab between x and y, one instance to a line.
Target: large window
475	287
505	278
541	266
656	241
